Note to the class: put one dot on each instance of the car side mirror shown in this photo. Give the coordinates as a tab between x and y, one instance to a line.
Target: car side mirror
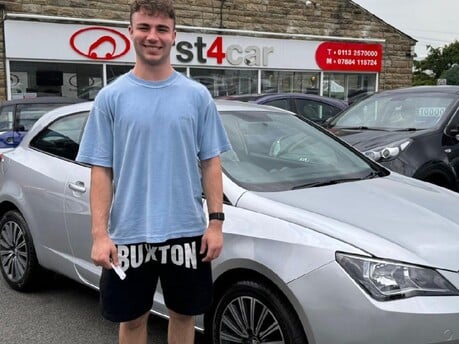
326	123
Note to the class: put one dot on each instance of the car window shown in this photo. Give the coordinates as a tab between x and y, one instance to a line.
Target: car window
279	103
62	137
315	111
274	151
28	114
7	118
399	111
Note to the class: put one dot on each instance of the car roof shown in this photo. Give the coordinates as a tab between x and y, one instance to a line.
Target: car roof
271	96
234	105
222	105
452	89
43	100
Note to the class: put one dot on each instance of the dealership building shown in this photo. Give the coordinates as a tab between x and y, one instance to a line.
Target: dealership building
329	47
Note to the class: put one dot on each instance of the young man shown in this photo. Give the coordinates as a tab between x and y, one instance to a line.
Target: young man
153	139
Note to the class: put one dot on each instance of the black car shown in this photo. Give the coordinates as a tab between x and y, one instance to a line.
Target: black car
413	131
311	106
17	116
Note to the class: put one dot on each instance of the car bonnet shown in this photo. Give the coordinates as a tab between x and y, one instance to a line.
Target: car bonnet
394	217
364	140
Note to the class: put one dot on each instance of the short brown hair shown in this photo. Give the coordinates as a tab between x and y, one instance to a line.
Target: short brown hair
153	7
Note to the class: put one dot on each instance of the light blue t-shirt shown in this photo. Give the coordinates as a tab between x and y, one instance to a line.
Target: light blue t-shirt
153	135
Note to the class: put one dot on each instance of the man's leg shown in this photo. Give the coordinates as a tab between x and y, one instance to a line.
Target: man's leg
134	331
181	329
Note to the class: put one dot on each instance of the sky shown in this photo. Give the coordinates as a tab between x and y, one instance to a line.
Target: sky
430	22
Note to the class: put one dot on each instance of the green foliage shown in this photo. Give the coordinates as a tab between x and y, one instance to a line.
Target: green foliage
421	78
438	62
451	75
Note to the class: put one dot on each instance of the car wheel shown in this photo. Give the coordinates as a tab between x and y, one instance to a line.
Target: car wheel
252	312
18	261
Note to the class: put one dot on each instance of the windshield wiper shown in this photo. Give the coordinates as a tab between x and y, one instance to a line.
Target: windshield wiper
362	127
325	182
407	129
371	175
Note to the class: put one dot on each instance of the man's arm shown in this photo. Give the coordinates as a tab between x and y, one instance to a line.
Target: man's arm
212	241
103	248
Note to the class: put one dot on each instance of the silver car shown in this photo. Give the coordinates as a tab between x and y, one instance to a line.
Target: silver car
322	245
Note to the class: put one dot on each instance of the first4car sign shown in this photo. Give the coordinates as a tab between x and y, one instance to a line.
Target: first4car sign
233	54
88	42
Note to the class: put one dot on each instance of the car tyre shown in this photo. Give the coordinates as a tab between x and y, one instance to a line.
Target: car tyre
253	312
18	260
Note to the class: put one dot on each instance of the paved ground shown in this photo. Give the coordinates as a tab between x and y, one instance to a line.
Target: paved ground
63	312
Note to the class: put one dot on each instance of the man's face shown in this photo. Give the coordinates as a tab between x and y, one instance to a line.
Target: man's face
153	37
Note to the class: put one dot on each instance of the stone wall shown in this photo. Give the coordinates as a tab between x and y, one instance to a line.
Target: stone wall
339	18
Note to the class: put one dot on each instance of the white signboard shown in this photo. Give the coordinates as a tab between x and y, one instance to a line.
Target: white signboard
71	42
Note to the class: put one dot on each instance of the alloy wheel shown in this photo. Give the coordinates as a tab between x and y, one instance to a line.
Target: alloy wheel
247	320
13	251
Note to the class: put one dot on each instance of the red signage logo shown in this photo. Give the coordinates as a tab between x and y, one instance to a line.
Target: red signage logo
100	43
342	56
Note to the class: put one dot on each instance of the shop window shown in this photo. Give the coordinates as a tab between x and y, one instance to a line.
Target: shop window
38	79
226	82
349	87
287	81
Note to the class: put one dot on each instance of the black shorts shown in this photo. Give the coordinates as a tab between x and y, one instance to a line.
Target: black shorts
186	281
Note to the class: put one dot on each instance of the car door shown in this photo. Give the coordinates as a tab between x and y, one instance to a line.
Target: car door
76	205
49	162
60	141
78	222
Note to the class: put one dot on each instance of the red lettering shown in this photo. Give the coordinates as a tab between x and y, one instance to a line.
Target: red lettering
216	50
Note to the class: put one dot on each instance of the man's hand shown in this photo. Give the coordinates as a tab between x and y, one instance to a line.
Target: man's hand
104	252
212	241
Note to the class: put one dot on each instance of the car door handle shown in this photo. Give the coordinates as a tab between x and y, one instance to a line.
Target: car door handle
78	186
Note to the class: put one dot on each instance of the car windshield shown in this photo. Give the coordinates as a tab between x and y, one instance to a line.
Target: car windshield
26	116
275	151
402	111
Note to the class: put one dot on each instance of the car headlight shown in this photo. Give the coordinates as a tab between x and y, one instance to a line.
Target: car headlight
386	280
388	152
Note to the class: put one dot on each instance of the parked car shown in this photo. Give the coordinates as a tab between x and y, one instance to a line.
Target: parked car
311	106
358	96
381	267
17	117
413	131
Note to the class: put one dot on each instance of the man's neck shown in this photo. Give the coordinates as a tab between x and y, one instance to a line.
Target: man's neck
150	73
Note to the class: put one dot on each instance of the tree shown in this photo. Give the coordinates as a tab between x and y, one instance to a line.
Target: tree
451	75
437	62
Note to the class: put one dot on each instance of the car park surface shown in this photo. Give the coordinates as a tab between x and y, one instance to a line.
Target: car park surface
413	131
311	106
63	311
18	116
382	267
